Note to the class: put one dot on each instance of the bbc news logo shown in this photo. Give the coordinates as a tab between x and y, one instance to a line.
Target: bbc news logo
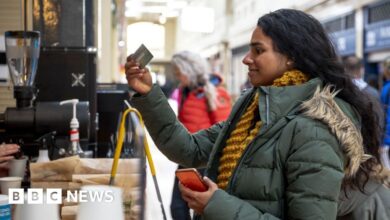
54	196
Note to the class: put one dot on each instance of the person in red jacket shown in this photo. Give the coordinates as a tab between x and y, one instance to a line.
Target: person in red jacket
202	102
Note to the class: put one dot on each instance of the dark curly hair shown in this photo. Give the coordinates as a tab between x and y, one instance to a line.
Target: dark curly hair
302	38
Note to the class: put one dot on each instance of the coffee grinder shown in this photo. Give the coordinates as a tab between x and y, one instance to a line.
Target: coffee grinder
22	50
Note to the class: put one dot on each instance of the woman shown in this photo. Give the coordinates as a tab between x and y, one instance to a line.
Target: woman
202	102
290	144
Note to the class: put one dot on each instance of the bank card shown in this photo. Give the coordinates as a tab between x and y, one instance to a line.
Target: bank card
142	55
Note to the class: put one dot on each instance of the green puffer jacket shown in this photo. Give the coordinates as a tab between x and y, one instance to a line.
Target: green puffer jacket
373	204
294	167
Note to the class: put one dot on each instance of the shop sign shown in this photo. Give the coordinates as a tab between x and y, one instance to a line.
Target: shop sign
344	41
377	36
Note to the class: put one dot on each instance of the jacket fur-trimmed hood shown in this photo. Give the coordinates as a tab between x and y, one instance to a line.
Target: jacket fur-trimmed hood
323	107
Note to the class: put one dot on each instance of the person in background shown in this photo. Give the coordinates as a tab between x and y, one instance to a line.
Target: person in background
373	80
385	100
6	151
202	102
300	138
354	67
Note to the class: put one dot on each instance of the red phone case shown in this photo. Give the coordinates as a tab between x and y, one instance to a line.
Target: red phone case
191	178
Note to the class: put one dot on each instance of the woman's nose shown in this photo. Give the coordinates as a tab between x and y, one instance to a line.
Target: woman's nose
247	60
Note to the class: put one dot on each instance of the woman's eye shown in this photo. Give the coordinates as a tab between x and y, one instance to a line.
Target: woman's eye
258	50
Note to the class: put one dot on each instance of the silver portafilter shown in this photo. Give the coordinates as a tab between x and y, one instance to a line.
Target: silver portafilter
22	52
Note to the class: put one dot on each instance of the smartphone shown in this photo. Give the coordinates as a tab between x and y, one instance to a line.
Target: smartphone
143	56
192	179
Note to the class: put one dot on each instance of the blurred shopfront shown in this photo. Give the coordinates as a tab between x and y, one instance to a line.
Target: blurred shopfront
343	33
363	31
376	37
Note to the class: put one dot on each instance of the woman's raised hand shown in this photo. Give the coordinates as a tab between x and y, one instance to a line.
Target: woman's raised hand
139	79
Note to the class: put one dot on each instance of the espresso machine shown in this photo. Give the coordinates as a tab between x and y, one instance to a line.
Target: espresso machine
32	119
63	44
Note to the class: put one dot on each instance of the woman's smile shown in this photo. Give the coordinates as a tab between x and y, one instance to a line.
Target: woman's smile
253	72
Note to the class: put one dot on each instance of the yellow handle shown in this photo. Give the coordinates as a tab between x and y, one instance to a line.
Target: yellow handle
119	144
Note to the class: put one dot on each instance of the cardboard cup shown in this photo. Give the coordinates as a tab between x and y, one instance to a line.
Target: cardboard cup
44	210
17	167
101	210
10	182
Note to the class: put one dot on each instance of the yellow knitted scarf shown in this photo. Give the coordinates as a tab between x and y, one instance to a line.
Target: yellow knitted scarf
247	128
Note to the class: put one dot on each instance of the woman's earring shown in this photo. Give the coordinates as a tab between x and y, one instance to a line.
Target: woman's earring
289	63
